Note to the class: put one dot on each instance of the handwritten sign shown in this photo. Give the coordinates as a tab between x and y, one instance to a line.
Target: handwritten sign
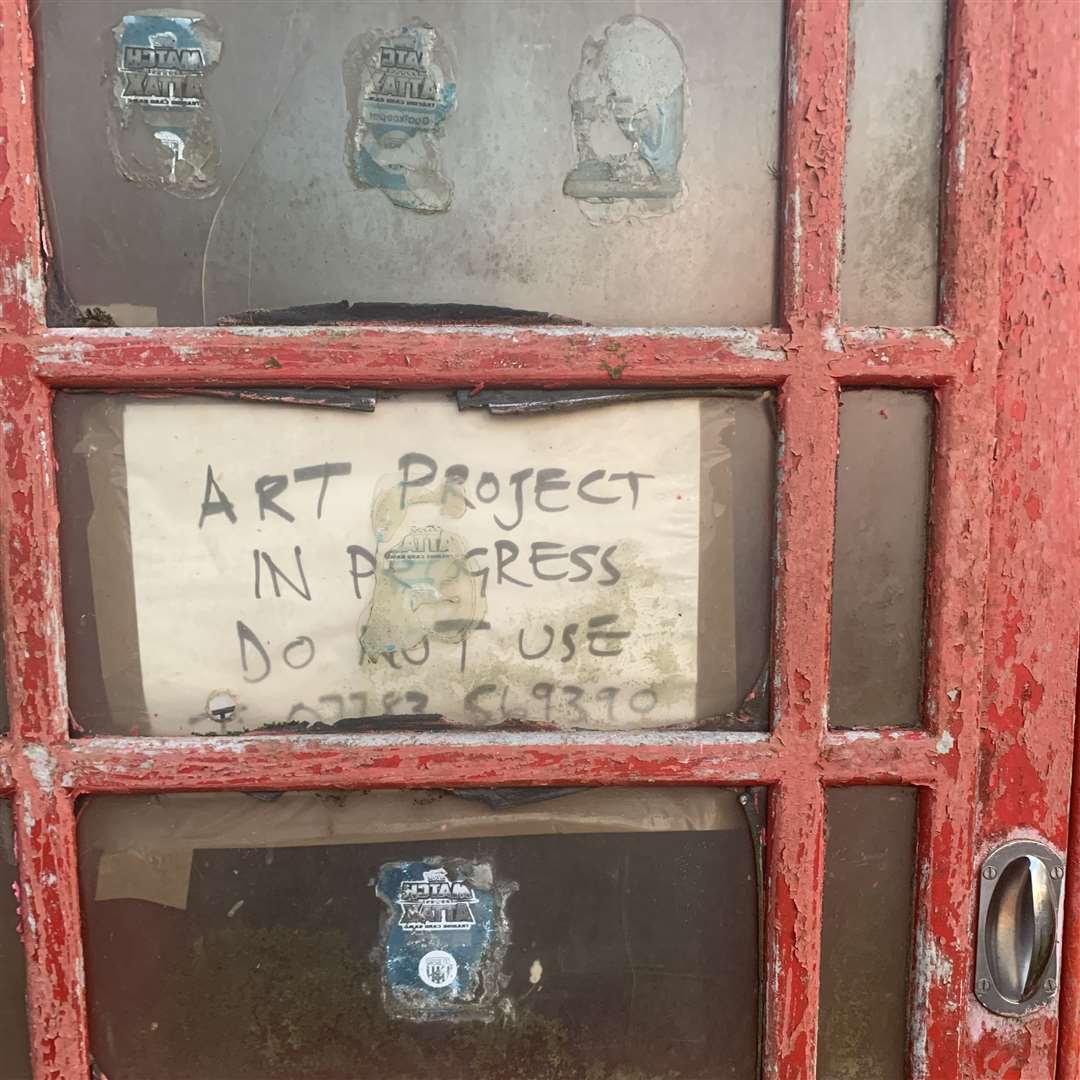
306	566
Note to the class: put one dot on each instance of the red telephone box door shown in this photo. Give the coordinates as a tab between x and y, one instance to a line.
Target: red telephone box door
908	910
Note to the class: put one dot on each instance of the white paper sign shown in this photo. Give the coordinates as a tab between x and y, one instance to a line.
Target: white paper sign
309	565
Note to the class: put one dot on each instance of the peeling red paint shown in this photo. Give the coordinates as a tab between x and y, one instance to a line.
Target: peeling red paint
403	357
21	293
1034	587
994	755
815	117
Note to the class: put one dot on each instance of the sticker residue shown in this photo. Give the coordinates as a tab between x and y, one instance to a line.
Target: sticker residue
445	935
628	103
425	586
160	129
400	89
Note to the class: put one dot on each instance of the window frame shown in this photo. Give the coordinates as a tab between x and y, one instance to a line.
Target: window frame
994	117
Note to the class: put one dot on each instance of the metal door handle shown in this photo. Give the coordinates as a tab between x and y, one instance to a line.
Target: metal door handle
1020	892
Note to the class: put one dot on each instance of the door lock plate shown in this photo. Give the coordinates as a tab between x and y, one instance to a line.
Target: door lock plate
1020	886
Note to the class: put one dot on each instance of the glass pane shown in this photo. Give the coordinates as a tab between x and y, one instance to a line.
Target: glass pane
424	564
893	171
14	1045
601	935
540	157
879	560
866	933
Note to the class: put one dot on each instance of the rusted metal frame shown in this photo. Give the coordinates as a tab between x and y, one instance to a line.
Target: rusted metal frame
975	108
1031	627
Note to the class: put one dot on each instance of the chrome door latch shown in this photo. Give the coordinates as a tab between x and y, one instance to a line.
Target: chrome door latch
1016	964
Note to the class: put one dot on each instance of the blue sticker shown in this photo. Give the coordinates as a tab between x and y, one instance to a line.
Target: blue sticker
162	61
158	89
445	936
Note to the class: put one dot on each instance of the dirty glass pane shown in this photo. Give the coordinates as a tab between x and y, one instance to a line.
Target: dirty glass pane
496	935
879	568
601	162
889	272
14	1046
866	932
233	565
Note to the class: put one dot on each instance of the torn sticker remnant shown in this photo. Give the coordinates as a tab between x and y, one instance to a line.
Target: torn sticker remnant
426	586
630	89
445	935
400	89
160	129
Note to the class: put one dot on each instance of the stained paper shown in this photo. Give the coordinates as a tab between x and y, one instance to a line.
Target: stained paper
418	565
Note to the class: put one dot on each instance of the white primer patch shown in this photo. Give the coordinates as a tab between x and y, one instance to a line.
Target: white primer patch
240	744
931	968
796	239
42	766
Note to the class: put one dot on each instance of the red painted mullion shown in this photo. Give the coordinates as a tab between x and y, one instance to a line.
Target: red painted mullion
796	837
970	250
21	292
300	762
815	105
44	819
973	167
278	762
29	566
456	357
43	810
30	557
884	356
956	591
885	756
815	85
404	357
